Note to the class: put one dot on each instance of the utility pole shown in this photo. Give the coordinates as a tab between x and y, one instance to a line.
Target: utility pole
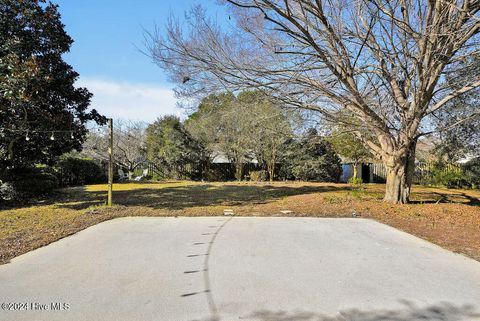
110	161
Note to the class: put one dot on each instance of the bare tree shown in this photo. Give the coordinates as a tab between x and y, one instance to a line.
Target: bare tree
385	62
128	145
224	124
271	127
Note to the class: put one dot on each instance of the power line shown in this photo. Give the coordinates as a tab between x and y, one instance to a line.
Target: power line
30	132
49	130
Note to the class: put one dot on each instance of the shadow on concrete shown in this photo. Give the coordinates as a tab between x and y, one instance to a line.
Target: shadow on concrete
212	306
410	312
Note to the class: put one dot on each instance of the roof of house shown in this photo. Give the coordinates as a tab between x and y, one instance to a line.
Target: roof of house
219	157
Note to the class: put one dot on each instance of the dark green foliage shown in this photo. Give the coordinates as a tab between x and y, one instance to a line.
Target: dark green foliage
173	151
312	158
451	175
350	147
79	171
471	174
23	183
220	172
37	91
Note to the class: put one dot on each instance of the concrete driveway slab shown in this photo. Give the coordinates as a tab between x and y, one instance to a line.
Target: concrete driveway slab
240	268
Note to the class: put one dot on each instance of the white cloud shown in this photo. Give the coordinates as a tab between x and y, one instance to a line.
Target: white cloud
121	100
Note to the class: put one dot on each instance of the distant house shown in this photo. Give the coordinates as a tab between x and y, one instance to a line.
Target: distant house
368	172
467	159
347	172
375	172
219	157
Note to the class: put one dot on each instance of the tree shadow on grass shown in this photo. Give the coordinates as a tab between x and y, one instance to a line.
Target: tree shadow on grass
450	197
76	197
186	196
411	312
227	194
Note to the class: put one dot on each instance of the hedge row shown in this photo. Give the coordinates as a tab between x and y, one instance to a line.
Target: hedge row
24	183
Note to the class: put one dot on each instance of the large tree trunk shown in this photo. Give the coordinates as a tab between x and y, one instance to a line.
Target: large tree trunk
10	149
400	176
271	170
239	171
206	169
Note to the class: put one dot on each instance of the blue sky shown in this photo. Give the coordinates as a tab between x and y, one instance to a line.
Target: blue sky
108	35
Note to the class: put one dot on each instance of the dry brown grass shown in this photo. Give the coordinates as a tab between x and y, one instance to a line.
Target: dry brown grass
449	218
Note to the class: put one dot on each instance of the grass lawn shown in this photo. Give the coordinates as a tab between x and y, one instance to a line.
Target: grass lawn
449	218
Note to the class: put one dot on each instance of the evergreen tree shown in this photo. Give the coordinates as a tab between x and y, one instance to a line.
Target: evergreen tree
172	149
350	147
312	158
37	92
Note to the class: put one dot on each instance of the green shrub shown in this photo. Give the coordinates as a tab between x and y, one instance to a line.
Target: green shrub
22	183
471	174
258	176
444	174
448	178
310	159
73	171
355	182
357	186
320	170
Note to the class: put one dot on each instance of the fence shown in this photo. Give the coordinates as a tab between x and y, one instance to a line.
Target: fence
378	173
422	175
424	171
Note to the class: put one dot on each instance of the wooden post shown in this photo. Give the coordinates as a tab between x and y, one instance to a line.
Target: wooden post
110	161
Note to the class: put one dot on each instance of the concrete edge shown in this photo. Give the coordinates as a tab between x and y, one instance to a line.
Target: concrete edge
130	218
